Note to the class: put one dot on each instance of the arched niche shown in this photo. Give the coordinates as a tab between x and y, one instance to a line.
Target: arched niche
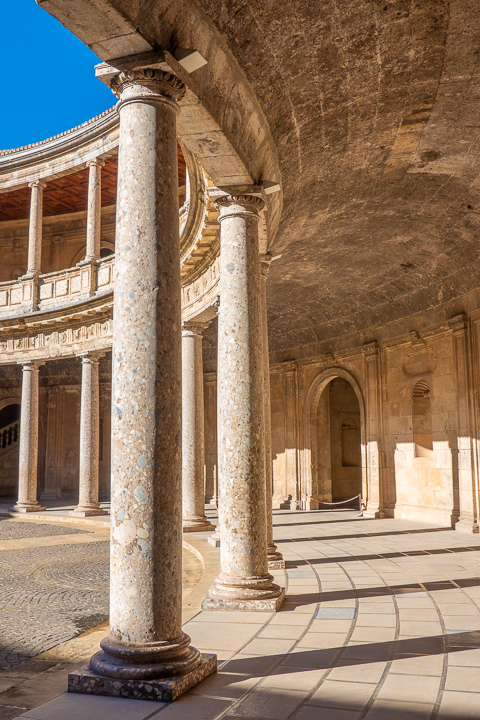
315	468
422	420
106	248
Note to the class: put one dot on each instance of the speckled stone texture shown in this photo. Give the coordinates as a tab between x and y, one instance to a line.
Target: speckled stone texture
89	439
275	558
164	690
244	582
193	451
94	209
146	641
35	228
28	450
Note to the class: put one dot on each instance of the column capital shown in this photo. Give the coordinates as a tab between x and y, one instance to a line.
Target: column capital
194	327
98	162
231	205
37	184
458	323
370	348
31	364
147	85
215	305
90	356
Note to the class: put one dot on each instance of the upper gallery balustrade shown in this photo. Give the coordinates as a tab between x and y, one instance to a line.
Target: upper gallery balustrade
57	221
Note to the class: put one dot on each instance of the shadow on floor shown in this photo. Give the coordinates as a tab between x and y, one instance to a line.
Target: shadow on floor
356	536
290	564
365	653
383	591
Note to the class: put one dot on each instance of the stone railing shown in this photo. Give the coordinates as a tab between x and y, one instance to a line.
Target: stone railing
9	436
56	289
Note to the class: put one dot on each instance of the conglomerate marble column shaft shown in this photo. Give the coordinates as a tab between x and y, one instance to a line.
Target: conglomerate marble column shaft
275	559
146	654
94	209
193	435
244	582
28	450
89	438
35	228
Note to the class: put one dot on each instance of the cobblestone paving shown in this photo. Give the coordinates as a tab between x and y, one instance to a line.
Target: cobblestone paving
17	530
48	595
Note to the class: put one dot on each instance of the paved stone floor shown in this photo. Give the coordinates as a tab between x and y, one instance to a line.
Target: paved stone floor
51	593
381	621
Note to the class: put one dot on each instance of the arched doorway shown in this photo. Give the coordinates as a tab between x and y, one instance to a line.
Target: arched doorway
9	444
333	460
339	455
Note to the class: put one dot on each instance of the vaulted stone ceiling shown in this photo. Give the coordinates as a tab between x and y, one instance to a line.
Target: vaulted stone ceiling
374	108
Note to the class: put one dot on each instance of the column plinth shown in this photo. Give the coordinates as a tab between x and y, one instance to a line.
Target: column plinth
193	431
88	504
28	443
244	582
275	558
146	653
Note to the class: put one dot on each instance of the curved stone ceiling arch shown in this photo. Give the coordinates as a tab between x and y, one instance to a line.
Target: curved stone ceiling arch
372	109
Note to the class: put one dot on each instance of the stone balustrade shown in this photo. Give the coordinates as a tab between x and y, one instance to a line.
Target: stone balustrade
56	289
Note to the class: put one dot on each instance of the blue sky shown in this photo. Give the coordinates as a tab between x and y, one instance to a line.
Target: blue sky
48	78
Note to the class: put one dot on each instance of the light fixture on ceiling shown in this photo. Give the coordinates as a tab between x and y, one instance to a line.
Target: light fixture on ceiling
190	60
270	187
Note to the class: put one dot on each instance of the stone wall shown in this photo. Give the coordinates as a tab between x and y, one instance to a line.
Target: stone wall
418	456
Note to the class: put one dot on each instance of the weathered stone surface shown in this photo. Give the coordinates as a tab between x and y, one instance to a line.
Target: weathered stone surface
164	689
146	640
89	439
28	451
244	582
193	435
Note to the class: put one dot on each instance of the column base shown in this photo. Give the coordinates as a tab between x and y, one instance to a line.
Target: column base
276	564
469	526
87	512
275	559
374	514
88	682
27	508
248	605
256	592
197	525
214	539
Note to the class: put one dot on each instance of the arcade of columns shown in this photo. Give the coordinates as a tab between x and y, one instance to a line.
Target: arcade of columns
157	368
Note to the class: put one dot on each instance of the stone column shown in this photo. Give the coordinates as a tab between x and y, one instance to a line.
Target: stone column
373	490
35	228
244	582
28	450
89	438
94	209
193	430
146	655
466	505
275	558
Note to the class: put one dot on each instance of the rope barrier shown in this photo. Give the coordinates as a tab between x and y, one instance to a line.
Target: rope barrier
341	502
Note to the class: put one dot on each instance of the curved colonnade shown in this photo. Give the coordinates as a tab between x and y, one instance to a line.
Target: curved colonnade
167	294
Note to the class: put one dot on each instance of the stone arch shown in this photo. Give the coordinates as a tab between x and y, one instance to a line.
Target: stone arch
104	245
309	462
